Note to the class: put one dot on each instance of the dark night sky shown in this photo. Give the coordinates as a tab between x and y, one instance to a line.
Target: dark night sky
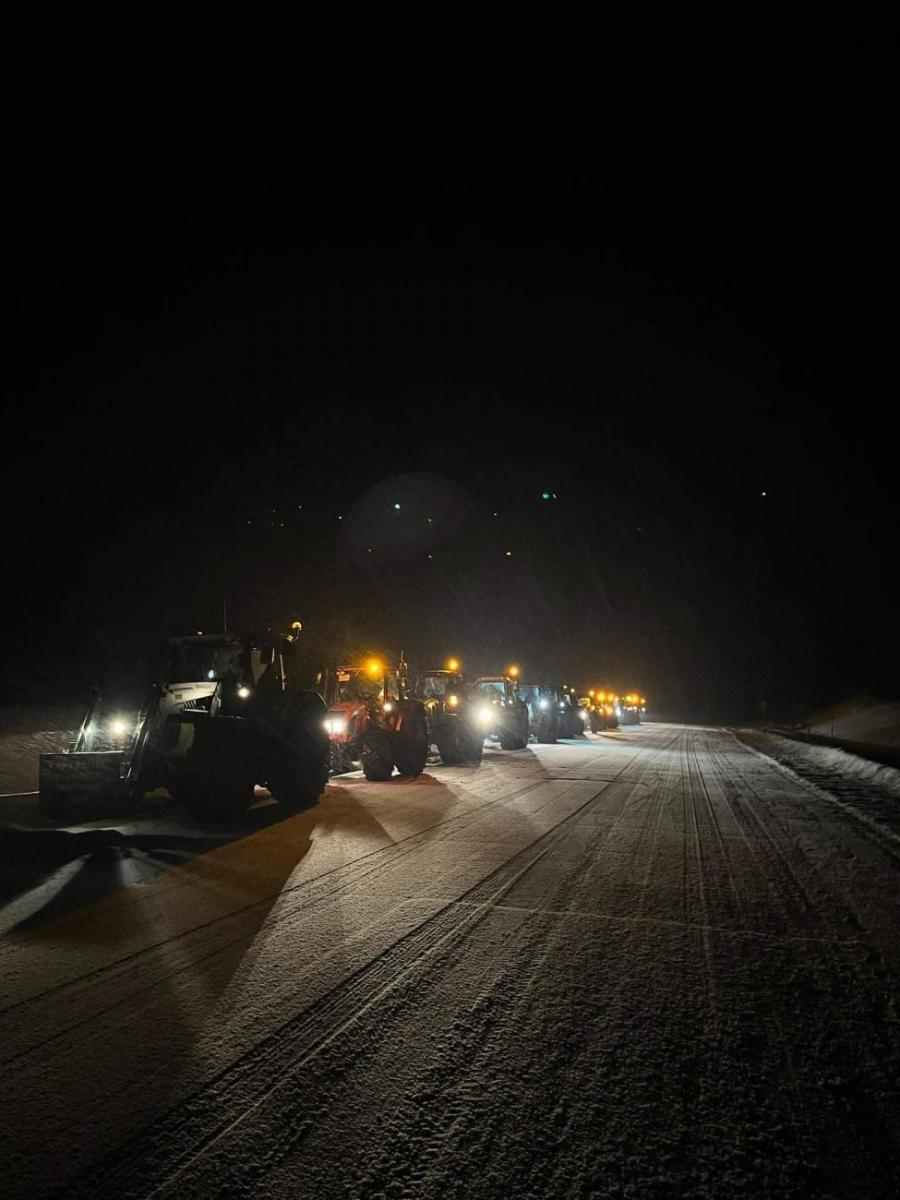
211	330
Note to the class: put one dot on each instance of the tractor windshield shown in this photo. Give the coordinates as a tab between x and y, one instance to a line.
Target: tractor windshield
191	662
359	685
436	687
492	689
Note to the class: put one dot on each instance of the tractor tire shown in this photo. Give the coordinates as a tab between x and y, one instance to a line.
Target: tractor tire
298	749
449	745
412	744
341	758
515	736
546	730
377	758
473	746
217	775
297	784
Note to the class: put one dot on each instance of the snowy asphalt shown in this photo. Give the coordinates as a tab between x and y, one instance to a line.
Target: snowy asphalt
654	963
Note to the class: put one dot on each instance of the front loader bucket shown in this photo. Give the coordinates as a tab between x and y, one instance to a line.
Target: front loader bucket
82	785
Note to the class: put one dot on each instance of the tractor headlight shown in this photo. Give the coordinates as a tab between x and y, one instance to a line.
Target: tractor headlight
484	716
243	692
334	724
544	703
453	701
582	712
118	727
388	706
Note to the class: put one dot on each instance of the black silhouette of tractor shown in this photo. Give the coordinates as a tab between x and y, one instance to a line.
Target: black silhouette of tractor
227	718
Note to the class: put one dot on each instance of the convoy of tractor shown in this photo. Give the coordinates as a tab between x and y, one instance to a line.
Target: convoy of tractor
227	725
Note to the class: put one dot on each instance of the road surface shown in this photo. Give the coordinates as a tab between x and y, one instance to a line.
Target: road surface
651	963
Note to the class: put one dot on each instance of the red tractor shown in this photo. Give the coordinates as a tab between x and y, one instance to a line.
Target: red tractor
374	721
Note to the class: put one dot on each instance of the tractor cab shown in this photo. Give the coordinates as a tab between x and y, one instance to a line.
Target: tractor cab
499	690
237	671
439	685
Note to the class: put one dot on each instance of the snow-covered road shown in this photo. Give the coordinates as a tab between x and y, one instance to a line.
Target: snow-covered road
654	963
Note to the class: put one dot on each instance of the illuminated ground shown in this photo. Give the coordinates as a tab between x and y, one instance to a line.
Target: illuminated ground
651	963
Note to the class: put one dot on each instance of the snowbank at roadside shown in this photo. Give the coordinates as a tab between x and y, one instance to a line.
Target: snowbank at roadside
870	789
865	722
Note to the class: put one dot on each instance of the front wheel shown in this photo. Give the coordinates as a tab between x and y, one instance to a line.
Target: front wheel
377	759
546	730
473	746
449	748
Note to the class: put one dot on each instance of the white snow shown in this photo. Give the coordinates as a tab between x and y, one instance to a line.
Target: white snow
654	963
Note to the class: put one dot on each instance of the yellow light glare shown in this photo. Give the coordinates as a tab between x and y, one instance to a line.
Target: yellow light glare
512	672
453	701
452	664
591	692
374	667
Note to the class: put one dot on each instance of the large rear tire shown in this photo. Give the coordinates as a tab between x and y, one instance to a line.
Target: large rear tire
412	744
473	746
216	776
449	745
515	735
546	731
297	785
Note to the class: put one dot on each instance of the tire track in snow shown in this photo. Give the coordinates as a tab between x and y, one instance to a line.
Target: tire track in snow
246	1084
307	900
868	1050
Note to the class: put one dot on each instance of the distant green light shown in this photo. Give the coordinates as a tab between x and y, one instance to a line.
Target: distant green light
545	495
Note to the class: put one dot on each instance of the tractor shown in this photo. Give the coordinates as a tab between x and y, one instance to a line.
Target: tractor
602	709
227	717
553	711
507	713
543	712
372	719
456	719
632	705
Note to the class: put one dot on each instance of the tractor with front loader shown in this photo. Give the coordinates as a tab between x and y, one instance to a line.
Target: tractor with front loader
373	720
227	717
